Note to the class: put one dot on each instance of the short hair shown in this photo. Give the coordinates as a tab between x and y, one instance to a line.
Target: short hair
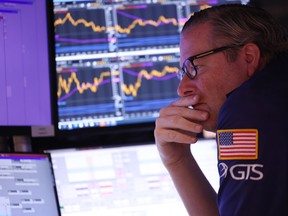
237	24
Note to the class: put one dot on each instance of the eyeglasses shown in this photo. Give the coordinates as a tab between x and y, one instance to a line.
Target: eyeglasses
190	69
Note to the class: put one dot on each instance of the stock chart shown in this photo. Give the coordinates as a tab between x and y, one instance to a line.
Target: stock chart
116	61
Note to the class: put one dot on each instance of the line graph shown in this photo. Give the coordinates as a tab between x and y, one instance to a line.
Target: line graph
150	23
116	61
144	81
88	24
140	22
78	29
101	29
85	85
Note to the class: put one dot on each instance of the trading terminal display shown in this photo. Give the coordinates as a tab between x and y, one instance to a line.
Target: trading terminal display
126	180
116	61
27	185
24	65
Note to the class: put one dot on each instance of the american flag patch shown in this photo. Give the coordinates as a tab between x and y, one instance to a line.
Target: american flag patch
238	144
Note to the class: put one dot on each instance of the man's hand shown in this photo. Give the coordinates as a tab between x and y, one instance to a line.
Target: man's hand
177	127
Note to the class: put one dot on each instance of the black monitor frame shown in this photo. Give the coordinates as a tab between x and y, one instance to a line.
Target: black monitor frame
130	132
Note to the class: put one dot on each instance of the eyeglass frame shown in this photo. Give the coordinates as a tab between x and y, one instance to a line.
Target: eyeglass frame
183	70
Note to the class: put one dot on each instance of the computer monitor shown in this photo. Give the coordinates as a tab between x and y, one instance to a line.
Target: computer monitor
123	180
116	61
27	185
25	95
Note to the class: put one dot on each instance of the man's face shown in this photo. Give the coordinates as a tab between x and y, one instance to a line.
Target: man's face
216	75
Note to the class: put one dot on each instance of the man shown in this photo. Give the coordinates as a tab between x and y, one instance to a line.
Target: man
234	74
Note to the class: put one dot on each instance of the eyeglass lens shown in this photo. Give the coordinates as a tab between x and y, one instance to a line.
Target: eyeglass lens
189	69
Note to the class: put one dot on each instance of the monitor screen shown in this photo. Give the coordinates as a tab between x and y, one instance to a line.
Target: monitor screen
116	61
27	185
123	180
24	65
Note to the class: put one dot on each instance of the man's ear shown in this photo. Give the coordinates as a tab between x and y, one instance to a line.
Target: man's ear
252	56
